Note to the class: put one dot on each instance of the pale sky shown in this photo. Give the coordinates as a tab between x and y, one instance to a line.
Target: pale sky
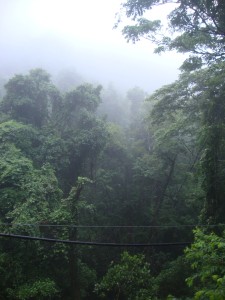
78	34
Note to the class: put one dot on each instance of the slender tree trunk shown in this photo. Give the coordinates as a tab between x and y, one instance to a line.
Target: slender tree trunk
74	271
73	251
163	191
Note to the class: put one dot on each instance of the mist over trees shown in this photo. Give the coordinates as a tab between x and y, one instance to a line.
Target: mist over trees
110	195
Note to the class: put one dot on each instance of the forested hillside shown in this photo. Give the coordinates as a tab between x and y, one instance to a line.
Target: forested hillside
106	196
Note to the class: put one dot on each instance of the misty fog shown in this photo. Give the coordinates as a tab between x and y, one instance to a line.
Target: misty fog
79	37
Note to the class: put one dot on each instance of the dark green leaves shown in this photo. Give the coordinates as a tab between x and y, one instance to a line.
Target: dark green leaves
30	98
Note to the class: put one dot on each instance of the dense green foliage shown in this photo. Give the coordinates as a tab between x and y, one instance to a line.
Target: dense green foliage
78	154
130	278
77	168
206	256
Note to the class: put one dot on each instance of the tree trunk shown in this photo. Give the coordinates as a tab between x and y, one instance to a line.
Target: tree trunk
73	251
74	273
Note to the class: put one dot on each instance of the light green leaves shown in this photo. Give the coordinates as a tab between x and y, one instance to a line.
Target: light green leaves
206	257
130	277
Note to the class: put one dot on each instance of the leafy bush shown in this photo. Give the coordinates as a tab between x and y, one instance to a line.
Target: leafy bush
130	278
206	256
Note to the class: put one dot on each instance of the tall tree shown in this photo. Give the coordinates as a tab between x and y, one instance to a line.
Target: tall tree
199	27
45	138
30	98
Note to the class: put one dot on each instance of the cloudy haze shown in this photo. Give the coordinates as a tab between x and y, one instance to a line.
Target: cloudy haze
78	35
